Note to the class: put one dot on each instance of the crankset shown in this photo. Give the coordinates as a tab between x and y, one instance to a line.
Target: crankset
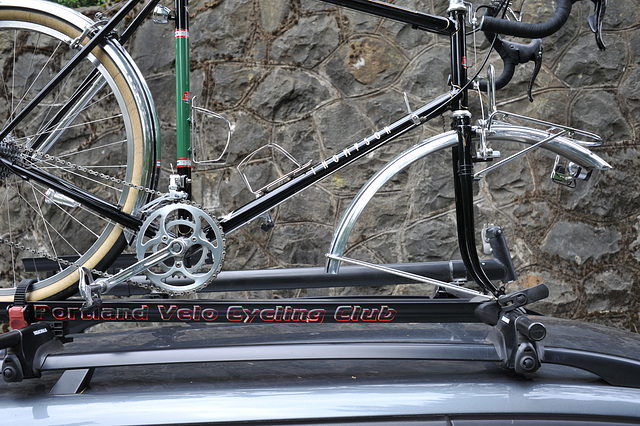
179	242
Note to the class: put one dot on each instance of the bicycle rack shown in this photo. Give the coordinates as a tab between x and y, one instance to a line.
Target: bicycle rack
513	339
242	166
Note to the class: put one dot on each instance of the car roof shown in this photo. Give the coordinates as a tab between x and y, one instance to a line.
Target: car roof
325	389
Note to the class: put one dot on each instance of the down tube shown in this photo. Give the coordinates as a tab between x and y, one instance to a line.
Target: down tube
348	155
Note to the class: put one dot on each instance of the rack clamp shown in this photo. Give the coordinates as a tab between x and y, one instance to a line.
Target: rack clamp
515	336
21	314
26	350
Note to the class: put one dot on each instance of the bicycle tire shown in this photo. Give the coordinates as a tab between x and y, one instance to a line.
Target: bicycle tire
112	131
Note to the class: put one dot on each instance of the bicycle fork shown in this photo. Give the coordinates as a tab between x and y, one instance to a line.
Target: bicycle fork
462	158
463	185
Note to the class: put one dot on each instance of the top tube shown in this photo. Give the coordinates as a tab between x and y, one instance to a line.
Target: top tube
420	20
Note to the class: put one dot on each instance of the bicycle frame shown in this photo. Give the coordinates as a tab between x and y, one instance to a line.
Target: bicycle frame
455	99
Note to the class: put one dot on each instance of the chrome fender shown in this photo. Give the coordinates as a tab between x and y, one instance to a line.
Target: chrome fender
500	133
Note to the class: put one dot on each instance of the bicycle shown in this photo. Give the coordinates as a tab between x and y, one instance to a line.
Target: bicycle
172	235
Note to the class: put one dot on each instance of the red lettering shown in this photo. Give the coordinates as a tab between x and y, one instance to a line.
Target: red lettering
387	313
141	313
370	314
59	313
124	314
209	314
343	313
251	314
41	311
109	314
167	314
234	313
355	313
184	314
316	315
287	313
268	315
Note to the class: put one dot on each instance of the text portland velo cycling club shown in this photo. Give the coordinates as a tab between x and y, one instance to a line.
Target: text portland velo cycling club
238	313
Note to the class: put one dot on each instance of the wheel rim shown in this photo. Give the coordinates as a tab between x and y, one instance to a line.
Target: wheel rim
101	137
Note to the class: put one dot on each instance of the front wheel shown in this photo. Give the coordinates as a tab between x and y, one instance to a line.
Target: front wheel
105	137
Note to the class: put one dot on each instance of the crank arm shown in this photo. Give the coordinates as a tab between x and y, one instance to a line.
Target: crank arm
91	290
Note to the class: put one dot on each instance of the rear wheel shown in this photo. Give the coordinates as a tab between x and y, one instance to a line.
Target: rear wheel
106	138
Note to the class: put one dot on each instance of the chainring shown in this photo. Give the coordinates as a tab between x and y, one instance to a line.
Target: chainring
198	264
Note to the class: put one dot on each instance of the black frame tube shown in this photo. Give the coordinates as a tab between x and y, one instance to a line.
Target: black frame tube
462	157
266	202
77	194
418	20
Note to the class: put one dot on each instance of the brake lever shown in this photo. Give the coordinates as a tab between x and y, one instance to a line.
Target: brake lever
523	53
595	21
535	55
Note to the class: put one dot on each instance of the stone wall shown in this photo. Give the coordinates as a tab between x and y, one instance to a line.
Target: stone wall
313	78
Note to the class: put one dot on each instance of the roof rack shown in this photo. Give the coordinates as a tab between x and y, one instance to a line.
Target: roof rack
514	339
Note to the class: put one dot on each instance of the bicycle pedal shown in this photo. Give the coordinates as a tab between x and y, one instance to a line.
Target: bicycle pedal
569	173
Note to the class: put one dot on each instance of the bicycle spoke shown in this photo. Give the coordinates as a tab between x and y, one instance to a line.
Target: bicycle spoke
89	130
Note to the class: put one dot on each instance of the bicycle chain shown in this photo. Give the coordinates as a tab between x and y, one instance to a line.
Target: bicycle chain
37	253
26	152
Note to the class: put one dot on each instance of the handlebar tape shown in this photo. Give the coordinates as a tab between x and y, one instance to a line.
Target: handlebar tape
513	54
508	69
525	30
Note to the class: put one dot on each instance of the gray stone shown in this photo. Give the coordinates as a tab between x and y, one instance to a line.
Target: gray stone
249	135
564	292
581	66
151	39
359	22
608	291
272	13
302	244
300	139
227	84
431	240
384	108
314	205
407	37
606	194
580	242
510	180
287	94
630	89
620	15
599	113
532	214
223	31
634	46
430	186
340	124
310	41
426	75
363	65
382	220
